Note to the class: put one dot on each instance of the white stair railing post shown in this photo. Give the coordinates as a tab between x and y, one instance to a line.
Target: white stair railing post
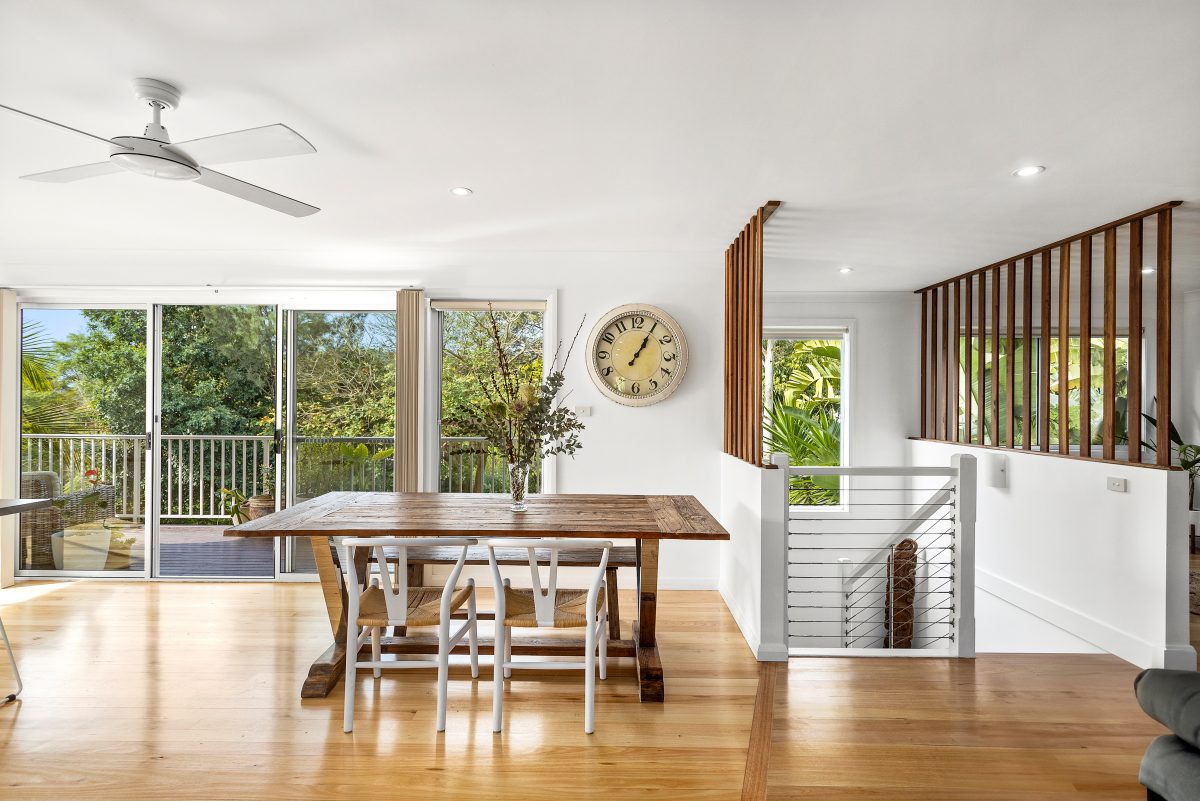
964	562
844	599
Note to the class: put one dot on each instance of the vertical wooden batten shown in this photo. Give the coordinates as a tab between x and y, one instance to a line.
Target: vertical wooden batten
1044	358
744	384
756	317
1133	428
1108	425
994	378
935	366
1064	348
982	416
1085	347
1026	354
968	369
1010	362
924	379
956	368
1162	344
944	382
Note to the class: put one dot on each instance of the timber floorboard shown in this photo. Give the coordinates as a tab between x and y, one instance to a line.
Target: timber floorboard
150	691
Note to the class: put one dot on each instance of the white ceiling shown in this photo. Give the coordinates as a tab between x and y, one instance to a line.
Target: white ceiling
889	130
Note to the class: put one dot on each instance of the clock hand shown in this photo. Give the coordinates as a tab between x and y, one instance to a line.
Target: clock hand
639	350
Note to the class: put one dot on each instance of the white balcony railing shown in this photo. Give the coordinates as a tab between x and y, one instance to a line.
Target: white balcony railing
196	467
890	569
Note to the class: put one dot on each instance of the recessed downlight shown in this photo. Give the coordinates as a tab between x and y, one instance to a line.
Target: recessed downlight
1147	270
846	270
1030	171
461	191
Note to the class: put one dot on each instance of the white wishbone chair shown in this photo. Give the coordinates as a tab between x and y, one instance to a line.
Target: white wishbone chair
394	603
550	607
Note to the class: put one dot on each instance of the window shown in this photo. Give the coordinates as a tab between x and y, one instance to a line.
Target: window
468	368
804	409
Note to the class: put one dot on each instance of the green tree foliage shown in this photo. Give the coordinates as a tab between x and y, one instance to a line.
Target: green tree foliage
469	360
49	405
995	377
218	368
803	413
346	374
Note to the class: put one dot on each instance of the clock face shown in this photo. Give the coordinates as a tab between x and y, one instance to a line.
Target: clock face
638	354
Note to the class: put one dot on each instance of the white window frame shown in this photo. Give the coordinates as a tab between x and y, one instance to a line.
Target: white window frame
431	370
827	329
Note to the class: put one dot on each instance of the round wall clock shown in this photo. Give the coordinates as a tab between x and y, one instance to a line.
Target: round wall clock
637	354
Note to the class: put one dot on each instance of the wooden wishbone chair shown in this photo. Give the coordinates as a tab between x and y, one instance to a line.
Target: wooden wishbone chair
550	607
393	603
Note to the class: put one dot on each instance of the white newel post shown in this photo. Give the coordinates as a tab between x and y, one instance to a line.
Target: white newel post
964	535
773	646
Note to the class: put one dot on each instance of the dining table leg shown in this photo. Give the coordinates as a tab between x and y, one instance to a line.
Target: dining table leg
324	673
649	668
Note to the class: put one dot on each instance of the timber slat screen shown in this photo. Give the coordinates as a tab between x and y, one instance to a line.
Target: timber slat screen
1061	371
743	338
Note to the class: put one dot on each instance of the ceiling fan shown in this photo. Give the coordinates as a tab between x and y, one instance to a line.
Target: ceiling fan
154	155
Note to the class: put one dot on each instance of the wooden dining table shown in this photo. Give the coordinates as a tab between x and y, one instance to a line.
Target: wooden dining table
646	519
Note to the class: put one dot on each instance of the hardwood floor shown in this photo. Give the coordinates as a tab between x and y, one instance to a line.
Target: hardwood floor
1011	726
149	691
144	692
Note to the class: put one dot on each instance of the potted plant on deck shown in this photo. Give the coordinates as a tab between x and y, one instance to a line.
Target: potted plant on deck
522	420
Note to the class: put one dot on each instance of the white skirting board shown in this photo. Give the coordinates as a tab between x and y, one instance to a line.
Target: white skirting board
1077	625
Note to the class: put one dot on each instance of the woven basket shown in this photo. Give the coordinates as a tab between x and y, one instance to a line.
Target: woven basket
258	506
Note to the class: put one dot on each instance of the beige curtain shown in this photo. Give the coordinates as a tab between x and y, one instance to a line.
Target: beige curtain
10	376
410	318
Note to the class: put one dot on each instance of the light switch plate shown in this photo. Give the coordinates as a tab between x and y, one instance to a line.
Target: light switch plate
583	411
1118	484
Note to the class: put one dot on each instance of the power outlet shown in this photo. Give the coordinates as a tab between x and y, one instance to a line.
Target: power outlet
1118	484
583	411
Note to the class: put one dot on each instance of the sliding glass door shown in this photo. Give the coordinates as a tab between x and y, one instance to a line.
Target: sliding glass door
342	408
218	407
84	425
153	429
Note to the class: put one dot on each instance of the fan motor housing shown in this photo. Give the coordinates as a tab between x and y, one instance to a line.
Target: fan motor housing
153	158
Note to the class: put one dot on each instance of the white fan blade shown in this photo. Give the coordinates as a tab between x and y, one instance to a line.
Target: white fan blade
255	194
108	142
267	142
67	174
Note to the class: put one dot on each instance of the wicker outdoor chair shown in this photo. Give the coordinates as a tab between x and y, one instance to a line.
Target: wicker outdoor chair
71	509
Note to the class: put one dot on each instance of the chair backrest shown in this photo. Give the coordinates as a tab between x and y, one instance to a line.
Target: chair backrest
394	577
39	484
544	597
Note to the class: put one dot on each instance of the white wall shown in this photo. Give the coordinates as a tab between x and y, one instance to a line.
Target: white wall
1106	568
1187	350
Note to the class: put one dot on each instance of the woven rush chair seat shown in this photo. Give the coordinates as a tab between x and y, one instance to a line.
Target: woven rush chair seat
570	608
424	606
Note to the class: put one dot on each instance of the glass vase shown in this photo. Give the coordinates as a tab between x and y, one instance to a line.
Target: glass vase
518	475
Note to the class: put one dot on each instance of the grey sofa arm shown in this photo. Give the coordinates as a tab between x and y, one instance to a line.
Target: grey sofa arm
1172	697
